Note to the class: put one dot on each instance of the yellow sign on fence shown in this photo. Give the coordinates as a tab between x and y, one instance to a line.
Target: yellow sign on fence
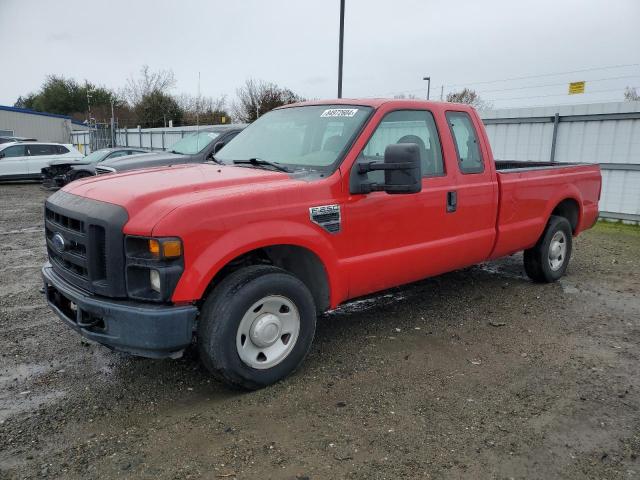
576	87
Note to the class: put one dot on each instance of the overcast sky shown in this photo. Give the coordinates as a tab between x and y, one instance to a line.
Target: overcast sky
389	46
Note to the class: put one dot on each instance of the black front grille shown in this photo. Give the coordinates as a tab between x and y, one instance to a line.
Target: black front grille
85	242
72	254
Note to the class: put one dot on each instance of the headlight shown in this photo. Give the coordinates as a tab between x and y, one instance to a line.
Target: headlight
154	280
154	266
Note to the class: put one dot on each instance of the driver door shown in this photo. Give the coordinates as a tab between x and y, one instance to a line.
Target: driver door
399	238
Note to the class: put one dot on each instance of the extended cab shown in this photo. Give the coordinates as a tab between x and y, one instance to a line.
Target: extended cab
311	205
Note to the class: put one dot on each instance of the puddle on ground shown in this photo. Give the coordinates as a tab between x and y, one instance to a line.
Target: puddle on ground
22	398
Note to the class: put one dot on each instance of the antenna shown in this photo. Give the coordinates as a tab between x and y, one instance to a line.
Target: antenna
198	116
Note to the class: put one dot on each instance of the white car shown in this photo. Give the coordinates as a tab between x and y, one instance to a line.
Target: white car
25	160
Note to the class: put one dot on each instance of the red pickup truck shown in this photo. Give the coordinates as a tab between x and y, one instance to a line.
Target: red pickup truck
312	205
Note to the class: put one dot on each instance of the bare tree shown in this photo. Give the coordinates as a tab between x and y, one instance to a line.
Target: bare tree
203	110
148	83
468	96
631	94
257	97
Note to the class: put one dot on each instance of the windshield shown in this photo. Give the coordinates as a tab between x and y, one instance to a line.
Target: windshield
194	143
313	136
97	156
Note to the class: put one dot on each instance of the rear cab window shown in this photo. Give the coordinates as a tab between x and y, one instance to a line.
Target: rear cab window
465	140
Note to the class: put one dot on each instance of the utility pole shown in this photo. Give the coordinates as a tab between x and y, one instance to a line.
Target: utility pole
113	123
441	92
340	48
428	79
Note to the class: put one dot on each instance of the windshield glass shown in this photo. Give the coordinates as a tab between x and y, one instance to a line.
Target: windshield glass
314	136
97	156
194	143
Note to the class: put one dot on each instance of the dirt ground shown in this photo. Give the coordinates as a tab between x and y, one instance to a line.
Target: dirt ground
475	374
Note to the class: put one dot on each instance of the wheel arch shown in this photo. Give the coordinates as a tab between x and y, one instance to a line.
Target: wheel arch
568	208
300	261
302	251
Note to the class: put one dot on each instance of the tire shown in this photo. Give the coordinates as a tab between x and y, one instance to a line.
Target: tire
547	261
235	327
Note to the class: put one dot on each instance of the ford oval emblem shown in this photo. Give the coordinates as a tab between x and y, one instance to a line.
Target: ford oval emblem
58	242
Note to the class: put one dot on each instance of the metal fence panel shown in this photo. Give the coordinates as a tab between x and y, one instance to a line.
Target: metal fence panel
607	134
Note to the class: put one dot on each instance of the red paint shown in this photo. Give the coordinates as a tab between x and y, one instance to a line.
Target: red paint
222	212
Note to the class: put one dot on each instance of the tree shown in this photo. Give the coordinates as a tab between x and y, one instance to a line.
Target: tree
155	109
65	96
631	94
148	83
468	96
257	97
203	110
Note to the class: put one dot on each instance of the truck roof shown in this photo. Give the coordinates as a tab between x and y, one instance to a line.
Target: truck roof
372	102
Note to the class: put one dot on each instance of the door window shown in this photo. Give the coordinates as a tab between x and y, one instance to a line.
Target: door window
121	153
405	126
14	151
61	149
40	149
466	142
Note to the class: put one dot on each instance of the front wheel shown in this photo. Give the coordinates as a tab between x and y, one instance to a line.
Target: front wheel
547	261
256	327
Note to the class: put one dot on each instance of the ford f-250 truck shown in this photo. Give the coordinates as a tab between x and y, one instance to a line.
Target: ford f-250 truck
311	205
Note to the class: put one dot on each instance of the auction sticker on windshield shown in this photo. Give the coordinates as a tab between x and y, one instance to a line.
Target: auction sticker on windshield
339	112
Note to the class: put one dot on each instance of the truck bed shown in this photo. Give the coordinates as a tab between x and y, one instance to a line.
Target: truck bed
507	166
530	191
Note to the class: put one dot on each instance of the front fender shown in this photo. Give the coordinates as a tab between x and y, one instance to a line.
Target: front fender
202	264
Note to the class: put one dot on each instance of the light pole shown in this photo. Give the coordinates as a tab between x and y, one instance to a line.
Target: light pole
428	79
340	48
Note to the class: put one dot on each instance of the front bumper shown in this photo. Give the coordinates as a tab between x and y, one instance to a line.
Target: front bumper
52	183
147	330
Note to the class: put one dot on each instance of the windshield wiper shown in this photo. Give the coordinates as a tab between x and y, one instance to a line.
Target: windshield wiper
261	162
212	158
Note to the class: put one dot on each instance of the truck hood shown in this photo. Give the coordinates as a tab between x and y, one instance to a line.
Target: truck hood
148	195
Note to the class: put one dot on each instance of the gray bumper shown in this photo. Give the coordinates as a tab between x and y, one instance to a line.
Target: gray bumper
147	330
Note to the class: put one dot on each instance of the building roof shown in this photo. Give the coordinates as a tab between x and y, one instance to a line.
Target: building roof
33	112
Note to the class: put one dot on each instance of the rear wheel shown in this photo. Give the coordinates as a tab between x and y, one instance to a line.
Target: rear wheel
256	327
547	261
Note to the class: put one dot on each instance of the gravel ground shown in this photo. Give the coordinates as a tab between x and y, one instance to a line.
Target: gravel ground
474	374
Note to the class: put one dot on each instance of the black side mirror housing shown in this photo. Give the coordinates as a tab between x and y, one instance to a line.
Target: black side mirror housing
217	147
402	171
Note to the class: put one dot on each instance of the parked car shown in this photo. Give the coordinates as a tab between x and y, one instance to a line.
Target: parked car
7	139
311	205
60	172
194	148
25	160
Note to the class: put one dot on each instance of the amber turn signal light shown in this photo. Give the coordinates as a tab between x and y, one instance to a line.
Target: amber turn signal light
171	248
154	247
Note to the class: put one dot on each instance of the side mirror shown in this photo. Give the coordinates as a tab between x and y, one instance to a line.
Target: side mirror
217	147
1	154
402	171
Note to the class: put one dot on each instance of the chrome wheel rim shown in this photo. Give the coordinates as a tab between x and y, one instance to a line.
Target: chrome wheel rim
557	250
268	332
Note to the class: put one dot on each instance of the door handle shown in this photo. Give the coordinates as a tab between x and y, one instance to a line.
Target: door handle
452	201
